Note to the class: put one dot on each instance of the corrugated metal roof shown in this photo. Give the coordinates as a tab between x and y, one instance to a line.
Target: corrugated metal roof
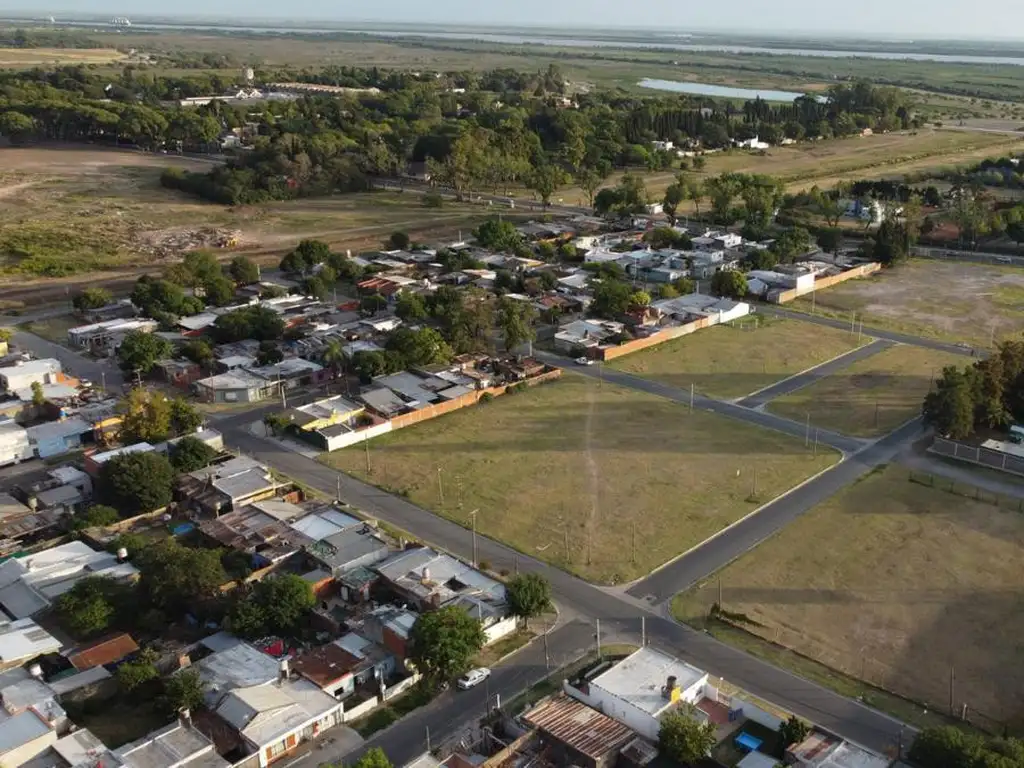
103	652
579	727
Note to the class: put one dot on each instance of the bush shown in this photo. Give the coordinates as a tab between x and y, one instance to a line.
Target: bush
433	200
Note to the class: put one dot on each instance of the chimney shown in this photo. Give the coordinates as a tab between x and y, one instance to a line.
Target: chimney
185	718
426	576
284	671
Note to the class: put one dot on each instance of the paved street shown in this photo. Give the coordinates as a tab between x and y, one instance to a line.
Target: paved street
721	407
806	378
73	363
878	333
619	612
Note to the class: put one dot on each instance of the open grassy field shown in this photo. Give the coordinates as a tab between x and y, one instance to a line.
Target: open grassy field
895	583
973	303
730	361
18	58
871	397
570	471
122	219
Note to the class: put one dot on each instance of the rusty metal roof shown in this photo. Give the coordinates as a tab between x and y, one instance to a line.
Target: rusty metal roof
579	727
105	651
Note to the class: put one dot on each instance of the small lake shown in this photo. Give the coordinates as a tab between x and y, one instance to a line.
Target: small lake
718	91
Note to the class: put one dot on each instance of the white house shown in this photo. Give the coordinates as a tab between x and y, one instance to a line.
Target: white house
641	688
754	143
14	442
585	333
24	373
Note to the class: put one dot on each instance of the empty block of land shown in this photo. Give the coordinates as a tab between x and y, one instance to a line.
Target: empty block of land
896	583
570	471
733	360
940	299
872	396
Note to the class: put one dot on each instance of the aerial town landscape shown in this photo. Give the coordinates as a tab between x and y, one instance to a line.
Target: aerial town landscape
495	395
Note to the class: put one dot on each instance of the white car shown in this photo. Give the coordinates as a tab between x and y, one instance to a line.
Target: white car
473	678
584	361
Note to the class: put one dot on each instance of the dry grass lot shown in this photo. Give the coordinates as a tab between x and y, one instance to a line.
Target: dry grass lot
895	583
580	463
871	397
730	361
105	210
941	299
17	58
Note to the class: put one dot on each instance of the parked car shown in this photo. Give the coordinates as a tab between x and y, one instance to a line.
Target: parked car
584	361
473	678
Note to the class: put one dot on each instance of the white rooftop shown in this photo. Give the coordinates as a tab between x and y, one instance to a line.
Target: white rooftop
174	746
240	666
23	640
265	714
102	458
641	677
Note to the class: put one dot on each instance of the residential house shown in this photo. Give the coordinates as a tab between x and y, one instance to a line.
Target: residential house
321	521
54	438
239	385
641	688
178	745
25	373
754	143
14	443
31	720
265	538
106	336
293	373
823	750
94	462
99	653
22	525
226	486
118	309
31	583
339	667
694	305
429	579
585	334
22	640
179	373
389	626
351	548
577	735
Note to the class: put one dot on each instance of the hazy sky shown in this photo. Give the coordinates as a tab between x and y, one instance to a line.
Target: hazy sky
903	18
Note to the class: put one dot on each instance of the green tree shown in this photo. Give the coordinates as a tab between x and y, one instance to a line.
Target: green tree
244	270
38	397
674	195
16	126
420	347
641	299
198	351
515	321
892	241
136	482
793	731
138	671
139	351
269	353
277	423
185	418
498	235
545	181
190	453
184	690
374	758
277	605
529	595
442	643
334	355
950	406
830	239
92	298
97	514
145	417
6	334
399	241
684	738
611	299
410	307
93	605
219	290
723	191
200	267
589	180
946	747
729	282
175	577
307	254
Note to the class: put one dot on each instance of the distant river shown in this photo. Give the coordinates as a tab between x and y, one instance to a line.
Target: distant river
665	43
718	91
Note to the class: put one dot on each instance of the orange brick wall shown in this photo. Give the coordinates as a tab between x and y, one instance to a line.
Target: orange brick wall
827	282
610	353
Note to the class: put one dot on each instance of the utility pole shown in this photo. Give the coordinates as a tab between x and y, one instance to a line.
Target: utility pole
691	396
815	442
807	432
565	532
753	490
952	682
337	495
473	517
366	445
547	658
103	382
643	631
428	738
853	322
598	638
633	527
814	295
440	489
719	592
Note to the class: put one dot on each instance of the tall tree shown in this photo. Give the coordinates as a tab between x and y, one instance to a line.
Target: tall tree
136	482
145	416
529	595
140	351
684	737
442	643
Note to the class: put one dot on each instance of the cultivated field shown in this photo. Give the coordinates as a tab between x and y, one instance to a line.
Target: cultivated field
896	583
570	471
956	301
730	361
18	58
871	397
71	211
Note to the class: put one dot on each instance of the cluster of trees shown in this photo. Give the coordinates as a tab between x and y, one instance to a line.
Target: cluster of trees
986	395
277	605
952	747
147	415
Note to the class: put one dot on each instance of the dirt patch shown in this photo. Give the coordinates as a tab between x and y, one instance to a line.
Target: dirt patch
173	242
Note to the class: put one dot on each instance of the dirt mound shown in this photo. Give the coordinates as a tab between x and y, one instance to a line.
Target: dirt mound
166	243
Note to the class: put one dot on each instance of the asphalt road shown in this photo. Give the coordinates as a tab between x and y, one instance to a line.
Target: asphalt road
74	364
878	333
732	410
805	379
619	613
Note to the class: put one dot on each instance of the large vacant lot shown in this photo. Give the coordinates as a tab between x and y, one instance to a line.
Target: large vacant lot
871	397
958	302
77	210
586	464
897	583
729	361
17	58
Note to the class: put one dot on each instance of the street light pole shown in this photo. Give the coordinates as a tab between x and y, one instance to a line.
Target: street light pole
472	516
